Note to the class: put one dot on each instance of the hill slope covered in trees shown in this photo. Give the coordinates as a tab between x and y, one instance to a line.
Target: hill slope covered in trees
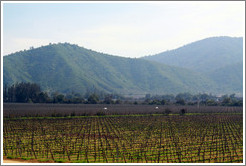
69	68
66	68
220	59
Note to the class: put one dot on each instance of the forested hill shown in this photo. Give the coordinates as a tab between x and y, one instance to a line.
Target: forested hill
220	59
66	68
205	55
69	68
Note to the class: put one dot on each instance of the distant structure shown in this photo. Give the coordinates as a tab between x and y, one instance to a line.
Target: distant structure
156	108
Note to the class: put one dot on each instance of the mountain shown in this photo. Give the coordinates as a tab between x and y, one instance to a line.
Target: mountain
220	59
205	55
69	68
228	77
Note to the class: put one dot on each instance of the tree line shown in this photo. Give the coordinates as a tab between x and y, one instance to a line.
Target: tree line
196	99
32	93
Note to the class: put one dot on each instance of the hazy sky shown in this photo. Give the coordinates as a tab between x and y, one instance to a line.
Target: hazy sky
119	28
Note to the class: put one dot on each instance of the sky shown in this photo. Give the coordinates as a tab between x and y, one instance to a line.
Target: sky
127	29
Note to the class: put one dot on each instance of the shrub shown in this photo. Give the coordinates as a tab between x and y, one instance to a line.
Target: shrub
26	158
11	157
182	111
60	160
100	113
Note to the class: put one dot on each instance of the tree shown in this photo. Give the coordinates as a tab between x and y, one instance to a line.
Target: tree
60	98
11	94
184	96
211	102
93	99
5	93
108	99
24	92
204	97
163	102
227	101
182	111
180	101
76	100
42	97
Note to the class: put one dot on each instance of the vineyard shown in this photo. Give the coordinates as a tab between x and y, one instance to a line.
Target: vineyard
136	138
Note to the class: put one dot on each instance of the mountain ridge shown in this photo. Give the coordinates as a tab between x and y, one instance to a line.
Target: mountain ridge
67	67
220	59
213	49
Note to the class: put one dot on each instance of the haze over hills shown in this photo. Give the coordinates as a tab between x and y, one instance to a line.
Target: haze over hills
66	68
205	55
69	68
220	59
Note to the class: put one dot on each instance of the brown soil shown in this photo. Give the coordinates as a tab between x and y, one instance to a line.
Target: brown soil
13	161
6	160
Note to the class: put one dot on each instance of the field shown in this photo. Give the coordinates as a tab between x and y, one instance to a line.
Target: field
123	133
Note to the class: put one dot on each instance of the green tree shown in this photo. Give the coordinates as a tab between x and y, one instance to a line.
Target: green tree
60	98
163	102
108	99
5	93
24	92
42	97
227	101
180	101
211	102
93	99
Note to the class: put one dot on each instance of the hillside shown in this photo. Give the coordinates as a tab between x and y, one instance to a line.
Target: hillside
66	68
205	55
220	59
228	77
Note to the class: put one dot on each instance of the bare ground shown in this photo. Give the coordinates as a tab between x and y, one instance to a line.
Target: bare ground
5	160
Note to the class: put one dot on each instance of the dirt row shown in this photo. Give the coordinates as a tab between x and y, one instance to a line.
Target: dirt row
6	160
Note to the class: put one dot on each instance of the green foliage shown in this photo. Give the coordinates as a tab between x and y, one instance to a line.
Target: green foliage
60	160
228	77
23	92
44	160
219	59
27	158
108	99
231	101
180	101
67	68
211	102
31	93
11	157
93	99
100	113
132	139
